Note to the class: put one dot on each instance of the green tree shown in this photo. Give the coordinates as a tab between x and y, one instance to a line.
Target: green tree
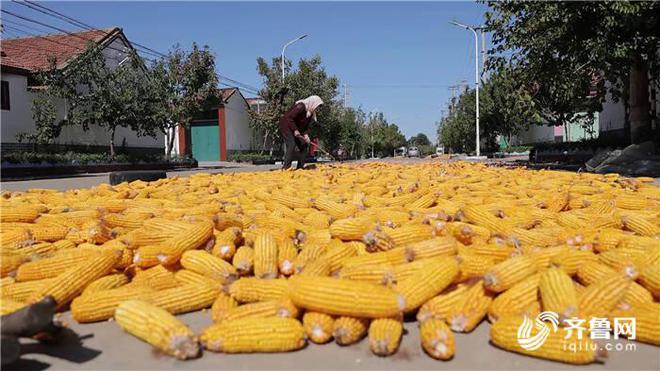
96	94
419	140
506	105
186	82
458	132
309	78
568	49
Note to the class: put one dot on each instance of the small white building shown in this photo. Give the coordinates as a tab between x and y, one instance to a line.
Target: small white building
22	58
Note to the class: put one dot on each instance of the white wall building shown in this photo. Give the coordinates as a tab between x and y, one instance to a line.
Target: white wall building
22	58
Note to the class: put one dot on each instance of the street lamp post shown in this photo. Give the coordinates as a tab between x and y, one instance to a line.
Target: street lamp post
284	48
476	75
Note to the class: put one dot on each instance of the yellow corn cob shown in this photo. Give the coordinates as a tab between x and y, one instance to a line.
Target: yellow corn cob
558	293
158	328
105	283
337	253
344	297
73	281
504	334
21	291
286	256
274	335
441	306
647	322
52	266
592	272
351	229
480	216
509	272
428	282
18	214
349	330
4	281
265	256
498	253
599	298
290	201
272	308
308	254
183	299
131	221
385	336
409	233
630	202
243	260
222	304
555	202
470	310
49	233
9	263
650	279
252	289
10	305
318	326
225	243
640	225
436	339
517	300
208	265
224	221
569	260
622	260
471	265
398	255
187	277
335	209
319	267
438	246
380	274
62	245
157	278
193	238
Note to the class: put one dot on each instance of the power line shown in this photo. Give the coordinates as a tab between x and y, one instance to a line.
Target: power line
83	25
70	20
62	30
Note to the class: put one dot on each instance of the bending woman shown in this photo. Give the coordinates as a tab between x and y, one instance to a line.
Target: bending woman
294	125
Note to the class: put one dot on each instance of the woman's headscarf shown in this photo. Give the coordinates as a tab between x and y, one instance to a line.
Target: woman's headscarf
311	104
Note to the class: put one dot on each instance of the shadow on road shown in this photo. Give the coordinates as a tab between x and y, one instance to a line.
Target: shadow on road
68	346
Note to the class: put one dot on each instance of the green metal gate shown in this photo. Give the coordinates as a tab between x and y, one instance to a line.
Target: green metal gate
204	140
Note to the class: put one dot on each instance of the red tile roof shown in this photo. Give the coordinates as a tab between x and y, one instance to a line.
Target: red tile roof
227	92
33	53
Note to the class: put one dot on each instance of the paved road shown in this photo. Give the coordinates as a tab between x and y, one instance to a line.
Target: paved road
105	347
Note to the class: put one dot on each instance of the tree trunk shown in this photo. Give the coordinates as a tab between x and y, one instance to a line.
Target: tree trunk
112	143
170	144
640	120
263	147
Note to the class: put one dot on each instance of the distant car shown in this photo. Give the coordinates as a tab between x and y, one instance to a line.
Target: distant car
413	152
439	150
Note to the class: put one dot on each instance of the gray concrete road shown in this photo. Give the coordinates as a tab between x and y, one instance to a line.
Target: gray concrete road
105	347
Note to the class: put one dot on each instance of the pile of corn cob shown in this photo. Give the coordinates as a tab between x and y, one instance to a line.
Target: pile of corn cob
343	252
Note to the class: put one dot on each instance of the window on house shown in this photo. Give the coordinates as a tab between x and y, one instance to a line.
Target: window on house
4	95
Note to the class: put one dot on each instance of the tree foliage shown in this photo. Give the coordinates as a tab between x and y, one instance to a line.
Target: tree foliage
309	78
186	82
96	93
419	140
567	50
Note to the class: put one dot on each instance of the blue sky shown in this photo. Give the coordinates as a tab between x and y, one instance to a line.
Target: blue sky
398	57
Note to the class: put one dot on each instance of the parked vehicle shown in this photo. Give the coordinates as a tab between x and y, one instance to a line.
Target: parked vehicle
413	152
439	150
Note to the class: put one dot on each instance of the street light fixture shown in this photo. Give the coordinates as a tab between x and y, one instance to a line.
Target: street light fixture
476	74
284	48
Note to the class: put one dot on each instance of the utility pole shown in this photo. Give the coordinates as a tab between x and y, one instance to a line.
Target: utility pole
284	49
484	56
476	78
